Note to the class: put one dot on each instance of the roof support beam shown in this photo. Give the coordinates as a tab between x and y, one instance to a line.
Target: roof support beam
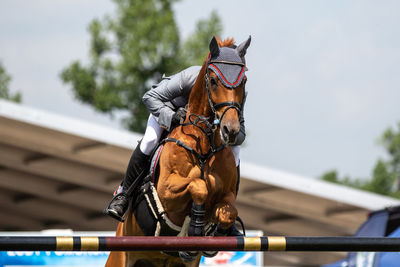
43	188
58	169
50	211
11	220
86	146
34	157
75	148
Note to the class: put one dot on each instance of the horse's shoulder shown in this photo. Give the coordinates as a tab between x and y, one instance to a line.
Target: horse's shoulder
188	135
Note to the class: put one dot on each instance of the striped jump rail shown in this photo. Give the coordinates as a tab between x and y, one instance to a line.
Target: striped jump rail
171	243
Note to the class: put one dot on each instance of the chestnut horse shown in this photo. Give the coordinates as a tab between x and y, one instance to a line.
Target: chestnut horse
197	174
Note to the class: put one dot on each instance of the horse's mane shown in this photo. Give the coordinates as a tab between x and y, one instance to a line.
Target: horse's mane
228	42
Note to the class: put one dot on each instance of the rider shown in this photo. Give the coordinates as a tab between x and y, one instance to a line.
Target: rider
166	102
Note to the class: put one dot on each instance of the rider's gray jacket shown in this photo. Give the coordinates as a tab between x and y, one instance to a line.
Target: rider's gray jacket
173	92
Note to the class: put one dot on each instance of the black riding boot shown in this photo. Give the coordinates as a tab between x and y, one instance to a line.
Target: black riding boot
238	179
138	164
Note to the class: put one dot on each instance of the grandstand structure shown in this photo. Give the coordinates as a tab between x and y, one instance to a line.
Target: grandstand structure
58	172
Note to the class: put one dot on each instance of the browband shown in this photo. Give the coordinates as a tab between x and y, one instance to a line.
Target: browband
226	62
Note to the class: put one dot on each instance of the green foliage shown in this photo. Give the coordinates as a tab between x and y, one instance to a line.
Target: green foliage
382	180
130	51
5	79
391	141
196	46
331	176
386	174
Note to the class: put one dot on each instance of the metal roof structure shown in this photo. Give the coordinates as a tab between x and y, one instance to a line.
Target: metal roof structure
60	172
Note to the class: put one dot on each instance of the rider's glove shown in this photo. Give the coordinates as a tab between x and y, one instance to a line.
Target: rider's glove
178	117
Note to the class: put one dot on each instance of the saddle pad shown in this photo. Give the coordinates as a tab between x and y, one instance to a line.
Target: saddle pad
154	163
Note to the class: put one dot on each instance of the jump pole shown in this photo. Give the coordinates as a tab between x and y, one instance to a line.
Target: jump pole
171	243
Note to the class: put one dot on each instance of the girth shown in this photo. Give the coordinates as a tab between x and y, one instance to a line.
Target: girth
150	214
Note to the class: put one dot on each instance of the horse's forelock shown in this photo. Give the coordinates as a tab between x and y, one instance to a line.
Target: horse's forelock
228	42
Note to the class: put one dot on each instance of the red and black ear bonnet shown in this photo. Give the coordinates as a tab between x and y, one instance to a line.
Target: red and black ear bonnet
228	63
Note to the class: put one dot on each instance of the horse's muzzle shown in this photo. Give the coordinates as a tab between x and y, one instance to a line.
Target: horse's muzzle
229	133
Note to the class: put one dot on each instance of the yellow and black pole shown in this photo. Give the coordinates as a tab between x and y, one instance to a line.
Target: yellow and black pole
171	243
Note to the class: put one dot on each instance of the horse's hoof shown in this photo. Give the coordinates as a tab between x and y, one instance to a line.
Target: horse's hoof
188	256
209	254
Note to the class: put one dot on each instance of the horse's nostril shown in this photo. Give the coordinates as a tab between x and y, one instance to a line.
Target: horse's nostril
226	130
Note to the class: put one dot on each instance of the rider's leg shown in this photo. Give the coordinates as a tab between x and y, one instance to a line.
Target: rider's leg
137	164
140	157
151	136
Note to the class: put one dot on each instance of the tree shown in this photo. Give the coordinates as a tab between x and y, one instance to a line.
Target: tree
386	174
333	177
382	180
5	79
391	141
130	51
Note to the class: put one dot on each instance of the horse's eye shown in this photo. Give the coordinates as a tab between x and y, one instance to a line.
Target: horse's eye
213	81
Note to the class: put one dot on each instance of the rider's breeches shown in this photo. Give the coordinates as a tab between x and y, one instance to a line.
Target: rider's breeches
153	133
151	136
236	154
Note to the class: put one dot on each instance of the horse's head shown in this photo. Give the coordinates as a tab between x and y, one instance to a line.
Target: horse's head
225	82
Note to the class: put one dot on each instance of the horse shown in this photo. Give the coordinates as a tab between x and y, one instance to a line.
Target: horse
197	176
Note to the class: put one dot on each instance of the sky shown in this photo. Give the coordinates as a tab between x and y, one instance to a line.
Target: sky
323	79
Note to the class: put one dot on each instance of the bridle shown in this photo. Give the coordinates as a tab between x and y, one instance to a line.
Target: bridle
228	104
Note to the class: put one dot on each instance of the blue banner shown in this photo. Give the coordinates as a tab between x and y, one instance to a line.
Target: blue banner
52	258
98	259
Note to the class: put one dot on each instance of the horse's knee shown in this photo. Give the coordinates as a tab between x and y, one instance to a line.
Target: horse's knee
226	214
198	190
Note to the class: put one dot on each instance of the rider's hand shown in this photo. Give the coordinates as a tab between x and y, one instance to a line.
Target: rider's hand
179	116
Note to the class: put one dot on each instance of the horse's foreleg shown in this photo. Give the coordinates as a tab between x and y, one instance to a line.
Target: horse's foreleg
225	212
199	192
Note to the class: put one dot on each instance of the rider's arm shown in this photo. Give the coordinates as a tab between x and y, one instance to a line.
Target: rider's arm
157	98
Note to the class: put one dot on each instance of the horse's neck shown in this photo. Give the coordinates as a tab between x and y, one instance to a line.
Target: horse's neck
198	101
198	104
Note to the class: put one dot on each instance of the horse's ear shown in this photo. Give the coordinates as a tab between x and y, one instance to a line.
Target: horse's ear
214	48
242	48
